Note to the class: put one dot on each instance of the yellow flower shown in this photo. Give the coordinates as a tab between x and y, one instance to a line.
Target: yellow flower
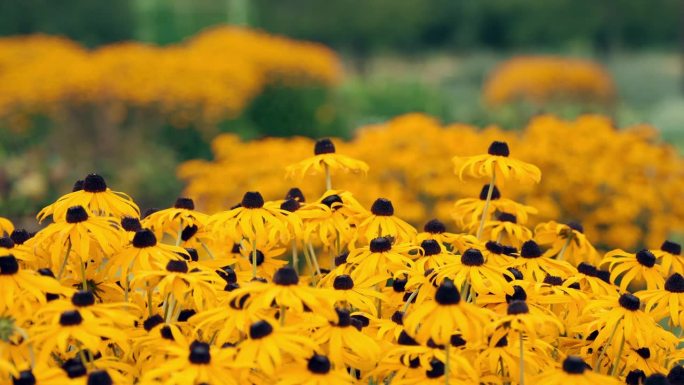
325	160
567	242
629	267
670	257
497	166
6	226
181	221
666	302
379	259
445	315
576	372
94	195
473	271
381	222
269	346
468	211
318	371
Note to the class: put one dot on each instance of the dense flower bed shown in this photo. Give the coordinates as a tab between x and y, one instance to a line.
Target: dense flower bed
208	78
321	289
541	79
623	185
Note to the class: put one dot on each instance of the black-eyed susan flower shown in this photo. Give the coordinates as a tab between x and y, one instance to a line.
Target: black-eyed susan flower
361	295
269	346
496	165
436	230
380	258
628	267
666	302
344	344
23	288
467	212
474	274
506	229
58	333
96	197
84	235
181	221
317	371
180	286
326	161
535	266
445	315
194	364
670	257
381	222
566	241
522	321
574	371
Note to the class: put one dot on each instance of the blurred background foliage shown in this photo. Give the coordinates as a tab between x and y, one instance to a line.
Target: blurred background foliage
399	56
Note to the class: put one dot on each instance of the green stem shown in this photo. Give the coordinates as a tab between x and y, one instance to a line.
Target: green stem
410	300
490	191
616	364
446	364
206	248
83	275
282	315
522	360
149	301
170	308
564	248
295	257
328	179
597	367
64	261
307	258
314	260
180	232
254	260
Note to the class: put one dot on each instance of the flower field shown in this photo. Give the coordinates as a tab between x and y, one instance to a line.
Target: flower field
319	288
411	252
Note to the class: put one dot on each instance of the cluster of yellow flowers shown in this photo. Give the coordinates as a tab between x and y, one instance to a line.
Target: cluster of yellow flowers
540	79
324	291
210	77
622	185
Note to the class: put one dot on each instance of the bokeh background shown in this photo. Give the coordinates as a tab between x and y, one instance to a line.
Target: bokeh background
76	96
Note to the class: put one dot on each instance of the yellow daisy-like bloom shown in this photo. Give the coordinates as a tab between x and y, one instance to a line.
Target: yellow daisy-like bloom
379	259
266	257
435	229
481	277
196	287
645	359
22	289
506	229
574	372
381	222
500	357
6	226
93	194
194	364
143	254
122	315
666	302
88	237
497	166
361	295
285	292
181	221
468	211
620	319
318	371
325	160
638	266
670	257
445	315
268	346
536	267
433	255
525	321
590	282
251	220
345	344
330	218
56	333
566	241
